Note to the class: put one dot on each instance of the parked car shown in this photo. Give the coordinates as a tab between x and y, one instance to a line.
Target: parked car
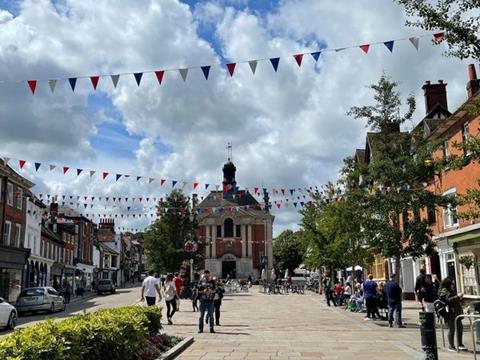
40	299
105	286
8	315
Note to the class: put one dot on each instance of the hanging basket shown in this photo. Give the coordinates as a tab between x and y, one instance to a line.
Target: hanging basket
466	261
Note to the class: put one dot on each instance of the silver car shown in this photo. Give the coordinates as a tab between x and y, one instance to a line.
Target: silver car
8	315
40	299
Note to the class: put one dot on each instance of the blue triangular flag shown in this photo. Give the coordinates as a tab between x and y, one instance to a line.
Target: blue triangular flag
315	55
264	190
128	208
138	77
295	204
37	166
302	203
79	171
206	186
389	45
274	62
174	182
85	205
138	178
73	82
118	176
206	71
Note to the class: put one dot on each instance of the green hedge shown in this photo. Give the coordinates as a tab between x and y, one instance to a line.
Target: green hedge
113	334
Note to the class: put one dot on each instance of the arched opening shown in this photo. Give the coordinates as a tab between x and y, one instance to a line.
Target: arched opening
228	228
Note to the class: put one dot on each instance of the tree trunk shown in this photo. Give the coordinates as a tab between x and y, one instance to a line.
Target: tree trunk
398	270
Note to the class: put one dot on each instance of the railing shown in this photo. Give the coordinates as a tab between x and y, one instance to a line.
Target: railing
475	318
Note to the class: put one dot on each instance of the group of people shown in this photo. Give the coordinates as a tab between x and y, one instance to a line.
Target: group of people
430	293
209	292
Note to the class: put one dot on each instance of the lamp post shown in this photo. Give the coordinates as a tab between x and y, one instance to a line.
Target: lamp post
265	249
191	271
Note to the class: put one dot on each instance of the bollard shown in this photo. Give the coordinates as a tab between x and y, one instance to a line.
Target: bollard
428	335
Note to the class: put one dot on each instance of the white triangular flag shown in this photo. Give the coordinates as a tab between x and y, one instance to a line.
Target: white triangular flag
217	187
52	84
415	41
184	73
115	80
92	172
6	159
253	65
150	180
52	167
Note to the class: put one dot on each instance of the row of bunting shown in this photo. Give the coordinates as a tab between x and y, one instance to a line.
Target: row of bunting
174	184
230	67
113	199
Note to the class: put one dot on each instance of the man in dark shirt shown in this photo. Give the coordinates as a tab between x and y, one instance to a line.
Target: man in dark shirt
370	294
420	283
206	294
394	298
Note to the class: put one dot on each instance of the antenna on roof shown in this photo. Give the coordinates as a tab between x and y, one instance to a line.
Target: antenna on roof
229	151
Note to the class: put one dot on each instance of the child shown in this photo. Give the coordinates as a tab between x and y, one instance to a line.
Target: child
195	297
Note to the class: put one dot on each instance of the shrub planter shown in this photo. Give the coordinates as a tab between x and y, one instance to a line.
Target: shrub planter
176	350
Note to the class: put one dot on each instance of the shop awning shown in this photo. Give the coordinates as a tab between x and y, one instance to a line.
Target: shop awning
471	235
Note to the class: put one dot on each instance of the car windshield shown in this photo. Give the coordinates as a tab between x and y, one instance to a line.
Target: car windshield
33	292
104	282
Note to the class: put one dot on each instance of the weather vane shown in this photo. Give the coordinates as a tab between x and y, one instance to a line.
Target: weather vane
229	151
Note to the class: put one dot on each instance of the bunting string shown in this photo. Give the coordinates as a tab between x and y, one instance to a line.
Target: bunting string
163	182
230	67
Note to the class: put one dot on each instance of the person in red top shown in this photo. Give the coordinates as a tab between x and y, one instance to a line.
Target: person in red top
338	289
178	281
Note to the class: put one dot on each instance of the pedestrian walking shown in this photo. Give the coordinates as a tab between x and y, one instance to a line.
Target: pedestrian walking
448	295
394	299
67	290
370	294
170	298
427	295
217	302
178	281
338	290
195	297
149	286
419	283
206	293
328	289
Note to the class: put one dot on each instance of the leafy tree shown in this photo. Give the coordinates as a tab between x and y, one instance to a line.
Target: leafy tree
165	238
458	18
394	177
288	250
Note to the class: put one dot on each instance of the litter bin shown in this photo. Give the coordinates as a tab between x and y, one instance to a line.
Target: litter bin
475	306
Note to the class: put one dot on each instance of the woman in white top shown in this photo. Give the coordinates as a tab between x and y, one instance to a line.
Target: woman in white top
170	298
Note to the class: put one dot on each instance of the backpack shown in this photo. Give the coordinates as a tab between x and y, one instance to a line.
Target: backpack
441	309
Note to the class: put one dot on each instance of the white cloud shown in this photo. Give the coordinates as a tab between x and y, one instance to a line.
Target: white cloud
288	128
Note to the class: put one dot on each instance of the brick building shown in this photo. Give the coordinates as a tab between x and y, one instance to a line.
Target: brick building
234	226
13	255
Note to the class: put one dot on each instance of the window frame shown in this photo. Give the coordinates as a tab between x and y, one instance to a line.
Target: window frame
6	239
18	235
448	211
19	199
10	190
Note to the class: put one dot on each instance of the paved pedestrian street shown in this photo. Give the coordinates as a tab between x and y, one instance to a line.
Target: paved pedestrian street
259	326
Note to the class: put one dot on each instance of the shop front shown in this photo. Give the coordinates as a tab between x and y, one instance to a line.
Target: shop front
56	274
467	249
12	264
69	276
87	275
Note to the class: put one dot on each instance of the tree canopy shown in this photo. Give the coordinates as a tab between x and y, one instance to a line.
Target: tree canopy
288	250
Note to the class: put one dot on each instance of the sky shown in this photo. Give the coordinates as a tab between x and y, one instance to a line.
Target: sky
288	129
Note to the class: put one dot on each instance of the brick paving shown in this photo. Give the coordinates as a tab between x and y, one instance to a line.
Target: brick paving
259	326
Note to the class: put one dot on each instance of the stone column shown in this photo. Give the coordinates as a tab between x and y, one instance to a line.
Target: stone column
249	240
244	241
207	241
214	242
269	245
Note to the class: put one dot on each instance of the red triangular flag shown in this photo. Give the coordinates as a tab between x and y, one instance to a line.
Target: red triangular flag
21	163
255	190
159	75
32	84
365	48
104	175
65	169
438	37
298	59
94	80
162	181
195	185
231	68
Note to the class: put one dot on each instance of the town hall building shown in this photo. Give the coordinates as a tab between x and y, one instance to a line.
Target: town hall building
233	227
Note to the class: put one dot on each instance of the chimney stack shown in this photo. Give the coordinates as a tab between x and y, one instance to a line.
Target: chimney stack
435	94
473	84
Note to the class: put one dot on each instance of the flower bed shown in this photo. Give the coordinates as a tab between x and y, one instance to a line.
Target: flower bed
158	344
126	333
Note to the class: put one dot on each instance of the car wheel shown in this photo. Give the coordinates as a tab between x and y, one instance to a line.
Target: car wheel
64	307
12	321
52	308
